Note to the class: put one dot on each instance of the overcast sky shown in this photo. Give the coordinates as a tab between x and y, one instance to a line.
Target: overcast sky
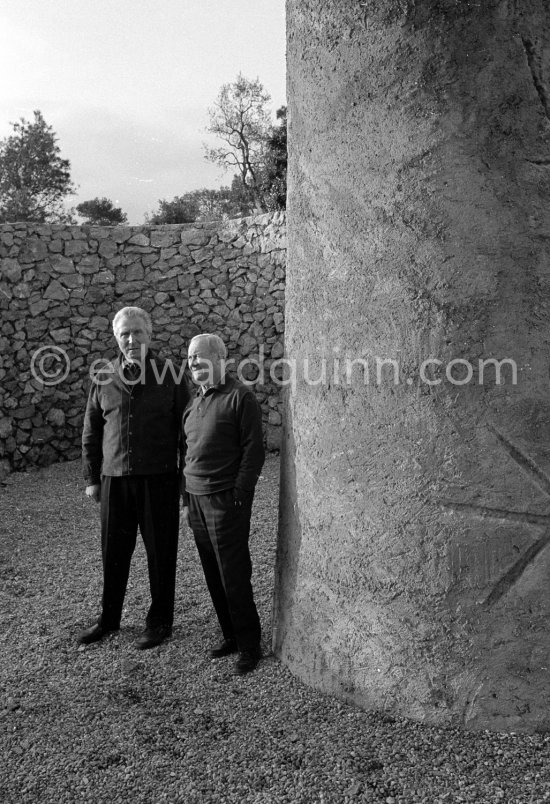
125	84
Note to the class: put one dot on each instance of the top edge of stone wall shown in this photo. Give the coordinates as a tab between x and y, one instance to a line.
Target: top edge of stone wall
228	223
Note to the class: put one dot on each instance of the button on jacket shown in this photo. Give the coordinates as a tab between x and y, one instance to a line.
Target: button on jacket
133	427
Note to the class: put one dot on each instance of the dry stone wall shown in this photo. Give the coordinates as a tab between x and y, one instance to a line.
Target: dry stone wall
60	287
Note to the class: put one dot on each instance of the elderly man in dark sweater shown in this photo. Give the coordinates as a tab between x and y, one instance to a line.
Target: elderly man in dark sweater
224	457
130	446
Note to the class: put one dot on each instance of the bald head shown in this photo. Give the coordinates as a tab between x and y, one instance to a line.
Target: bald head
213	343
206	359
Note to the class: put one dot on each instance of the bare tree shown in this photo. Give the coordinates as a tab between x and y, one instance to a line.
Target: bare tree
241	118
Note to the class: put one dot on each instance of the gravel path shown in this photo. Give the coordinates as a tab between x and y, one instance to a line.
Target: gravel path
107	723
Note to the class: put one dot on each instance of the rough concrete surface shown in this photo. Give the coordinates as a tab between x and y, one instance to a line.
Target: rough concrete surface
413	561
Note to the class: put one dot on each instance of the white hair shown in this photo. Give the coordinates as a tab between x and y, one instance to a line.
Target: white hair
215	343
133	312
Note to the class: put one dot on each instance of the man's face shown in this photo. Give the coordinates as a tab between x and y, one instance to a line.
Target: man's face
205	364
132	338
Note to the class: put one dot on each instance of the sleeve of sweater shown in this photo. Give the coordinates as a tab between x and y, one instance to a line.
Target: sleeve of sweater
183	397
249	415
92	439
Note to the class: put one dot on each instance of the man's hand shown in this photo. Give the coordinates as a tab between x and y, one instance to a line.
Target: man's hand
240	496
94	492
186	518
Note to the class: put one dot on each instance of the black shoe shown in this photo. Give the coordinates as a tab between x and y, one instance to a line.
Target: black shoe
152	637
225	648
247	661
94	634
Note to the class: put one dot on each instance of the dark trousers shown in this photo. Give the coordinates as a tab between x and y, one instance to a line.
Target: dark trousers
150	502
221	533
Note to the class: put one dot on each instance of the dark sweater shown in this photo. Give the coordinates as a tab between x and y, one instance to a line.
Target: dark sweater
223	439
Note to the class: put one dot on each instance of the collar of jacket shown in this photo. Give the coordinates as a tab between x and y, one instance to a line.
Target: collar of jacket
150	357
224	386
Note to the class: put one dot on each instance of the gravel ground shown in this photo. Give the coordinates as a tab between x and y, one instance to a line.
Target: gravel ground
108	723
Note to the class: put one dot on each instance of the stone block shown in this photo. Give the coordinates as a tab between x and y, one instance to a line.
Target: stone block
75	248
72	281
274	417
88	264
94	294
103	278
139	240
247	343
56	291
42	434
36	327
194	237
131	250
61	265
167	253
22	413
100	323
186	281
264	260
277	350
168	284
107	249
34	250
135	272
164	239
10	269
56	417
121	234
22	290
228	236
61	311
201	255
62	335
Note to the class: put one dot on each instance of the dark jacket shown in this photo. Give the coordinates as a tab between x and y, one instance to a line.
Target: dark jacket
223	439
134	428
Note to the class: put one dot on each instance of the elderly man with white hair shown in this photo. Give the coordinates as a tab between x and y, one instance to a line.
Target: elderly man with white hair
224	457
131	448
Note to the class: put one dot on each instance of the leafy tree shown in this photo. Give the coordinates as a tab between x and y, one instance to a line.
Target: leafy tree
34	179
227	202
203	205
241	118
241	203
181	209
101	212
273	185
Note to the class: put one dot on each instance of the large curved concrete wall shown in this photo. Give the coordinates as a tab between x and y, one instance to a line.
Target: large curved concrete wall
413	560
